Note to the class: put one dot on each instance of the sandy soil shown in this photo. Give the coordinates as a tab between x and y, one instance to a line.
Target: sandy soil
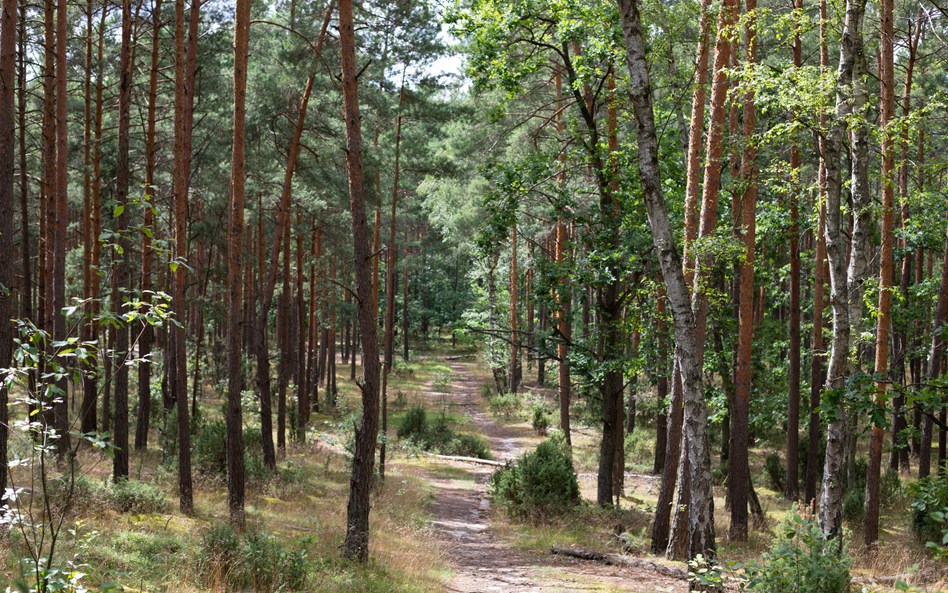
481	561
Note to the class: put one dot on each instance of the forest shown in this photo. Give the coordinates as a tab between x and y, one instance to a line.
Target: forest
642	295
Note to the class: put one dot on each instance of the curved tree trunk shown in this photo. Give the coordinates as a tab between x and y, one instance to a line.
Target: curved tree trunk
701	511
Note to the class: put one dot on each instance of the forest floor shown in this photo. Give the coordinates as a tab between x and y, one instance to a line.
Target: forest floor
481	560
433	526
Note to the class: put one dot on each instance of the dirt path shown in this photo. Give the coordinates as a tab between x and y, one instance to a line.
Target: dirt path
481	561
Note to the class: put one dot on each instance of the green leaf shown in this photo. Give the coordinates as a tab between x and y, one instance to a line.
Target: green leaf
118	211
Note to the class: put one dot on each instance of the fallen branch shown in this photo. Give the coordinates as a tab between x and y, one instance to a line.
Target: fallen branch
459	357
614	560
468	460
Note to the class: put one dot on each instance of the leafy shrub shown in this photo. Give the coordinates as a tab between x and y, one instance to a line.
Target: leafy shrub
804	452
539	482
219	555
719	474
796	561
891	490
774	472
137	497
210	451
540	420
930	495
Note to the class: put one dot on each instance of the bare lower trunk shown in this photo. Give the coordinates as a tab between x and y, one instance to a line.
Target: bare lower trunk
701	510
846	281
356	545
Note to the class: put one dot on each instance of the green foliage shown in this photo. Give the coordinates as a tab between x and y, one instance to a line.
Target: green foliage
439	436
415	422
930	496
638	447
540	419
537	483
209	451
506	404
854	505
800	560
774	471
256	560
128	496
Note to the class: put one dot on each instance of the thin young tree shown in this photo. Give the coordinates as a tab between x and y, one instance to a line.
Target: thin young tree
148	334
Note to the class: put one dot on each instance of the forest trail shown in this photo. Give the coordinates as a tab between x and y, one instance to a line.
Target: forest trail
480	560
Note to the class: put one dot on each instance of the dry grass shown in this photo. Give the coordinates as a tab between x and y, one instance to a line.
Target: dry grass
302	508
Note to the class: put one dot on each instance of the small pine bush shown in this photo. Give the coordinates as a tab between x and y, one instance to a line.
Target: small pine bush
540	420
469	445
415	422
539	482
774	471
854	505
796	561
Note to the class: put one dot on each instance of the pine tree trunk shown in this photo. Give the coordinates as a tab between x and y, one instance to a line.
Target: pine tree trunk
235	445
887	112
56	272
792	487
182	170
738	474
120	460
513	375
8	31
356	546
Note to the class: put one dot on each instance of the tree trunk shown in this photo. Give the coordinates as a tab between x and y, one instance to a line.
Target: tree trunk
284	367
356	546
235	445
792	489
817	378
56	273
120	461
701	510
182	170
8	31
515	370
562	294
661	420
738	475
389	284
845	281
887	112
147	338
